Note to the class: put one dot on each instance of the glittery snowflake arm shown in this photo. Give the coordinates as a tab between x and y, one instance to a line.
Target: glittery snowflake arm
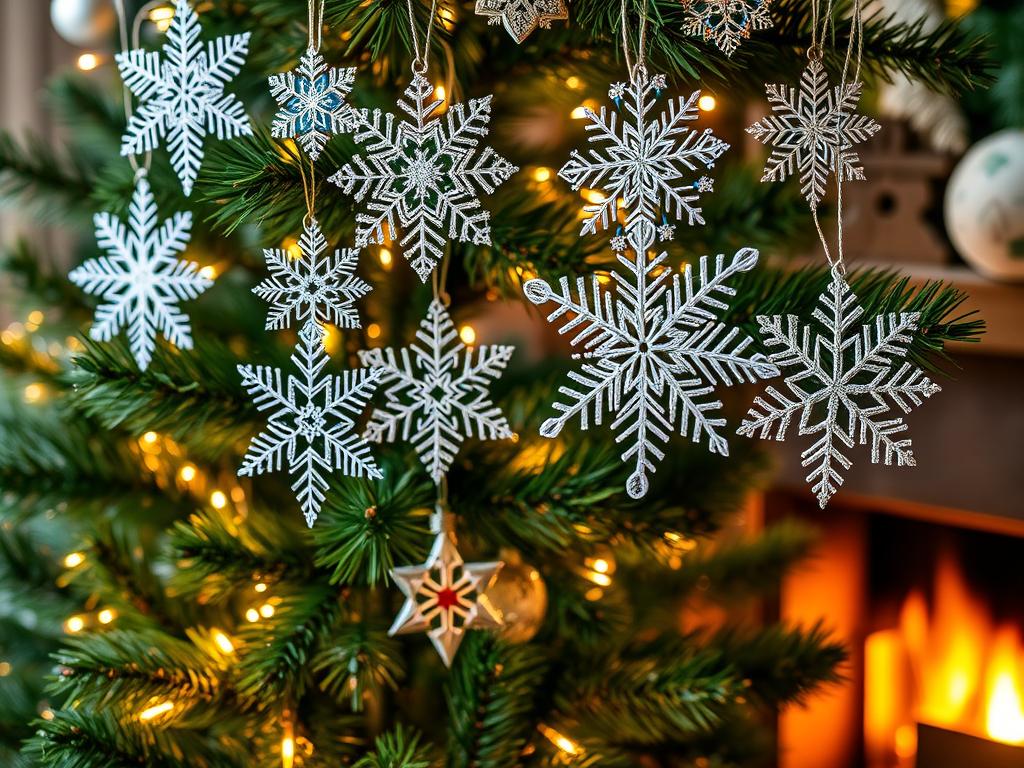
140	71
481	416
268	448
398	379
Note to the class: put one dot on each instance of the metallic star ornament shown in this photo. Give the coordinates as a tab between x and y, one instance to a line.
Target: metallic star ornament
444	596
521	17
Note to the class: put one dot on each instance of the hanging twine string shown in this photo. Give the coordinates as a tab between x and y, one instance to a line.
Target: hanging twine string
129	43
854	54
421	56
639	63
316	29
316	25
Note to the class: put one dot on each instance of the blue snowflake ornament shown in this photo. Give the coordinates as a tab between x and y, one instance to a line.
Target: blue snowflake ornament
312	101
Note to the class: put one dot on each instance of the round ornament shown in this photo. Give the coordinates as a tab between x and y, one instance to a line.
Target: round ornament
984	208
520	594
83	22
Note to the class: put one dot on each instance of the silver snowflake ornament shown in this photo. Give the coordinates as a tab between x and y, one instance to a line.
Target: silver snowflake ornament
726	23
312	102
436	392
312	285
312	421
848	384
648	161
421	179
652	352
181	94
140	279
444	596
812	131
521	17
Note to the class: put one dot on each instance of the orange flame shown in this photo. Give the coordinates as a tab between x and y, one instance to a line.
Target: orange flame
951	667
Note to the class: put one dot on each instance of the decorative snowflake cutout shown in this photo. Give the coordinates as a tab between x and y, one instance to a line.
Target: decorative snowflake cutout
312	100
437	392
445	596
312	285
726	23
845	383
423	175
181	98
521	17
312	423
812	131
140	279
647	161
653	353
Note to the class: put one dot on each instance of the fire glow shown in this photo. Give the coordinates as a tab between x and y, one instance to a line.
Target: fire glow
951	667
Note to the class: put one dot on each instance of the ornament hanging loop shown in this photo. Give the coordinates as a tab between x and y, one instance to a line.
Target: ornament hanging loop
421	55
815	52
419	66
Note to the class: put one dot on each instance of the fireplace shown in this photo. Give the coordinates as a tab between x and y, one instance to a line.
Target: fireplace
931	607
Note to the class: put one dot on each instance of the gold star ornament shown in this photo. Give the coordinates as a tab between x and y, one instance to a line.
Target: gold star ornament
445	596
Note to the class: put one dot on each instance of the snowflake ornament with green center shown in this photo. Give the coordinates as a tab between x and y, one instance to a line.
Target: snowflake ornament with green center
437	392
312	421
652	352
420	180
181	94
845	381
445	596
140	279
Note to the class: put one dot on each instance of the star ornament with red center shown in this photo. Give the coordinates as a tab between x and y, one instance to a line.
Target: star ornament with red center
445	596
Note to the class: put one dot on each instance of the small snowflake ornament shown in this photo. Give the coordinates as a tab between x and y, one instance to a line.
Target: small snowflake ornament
140	279
652	353
848	384
812	131
312	285
312	102
421	179
181	94
437	392
726	23
444	596
647	160
521	17
312	421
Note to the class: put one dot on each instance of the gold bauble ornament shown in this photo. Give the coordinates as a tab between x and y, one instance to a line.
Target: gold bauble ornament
520	594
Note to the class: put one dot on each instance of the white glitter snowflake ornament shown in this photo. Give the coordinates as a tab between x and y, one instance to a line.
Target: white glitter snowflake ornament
181	94
846	382
437	392
421	179
812	131
312	421
444	596
521	17
726	23
310	284
648	161
140	279
652	352
312	102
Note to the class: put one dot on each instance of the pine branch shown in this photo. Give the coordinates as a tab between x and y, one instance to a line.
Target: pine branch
358	664
52	184
399	748
493	696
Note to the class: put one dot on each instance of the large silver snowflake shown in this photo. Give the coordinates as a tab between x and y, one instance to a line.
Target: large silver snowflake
312	102
181	95
423	177
309	284
726	23
521	17
812	131
653	353
445	596
846	382
647	161
312	421
437	392
140	279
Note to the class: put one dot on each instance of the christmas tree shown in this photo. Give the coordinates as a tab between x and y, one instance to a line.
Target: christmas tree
162	609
